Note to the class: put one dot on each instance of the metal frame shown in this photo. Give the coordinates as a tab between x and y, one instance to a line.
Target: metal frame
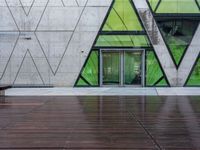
158	4
164	39
174	16
164	76
156	16
178	16
151	47
110	48
101	68
80	74
122	64
185	85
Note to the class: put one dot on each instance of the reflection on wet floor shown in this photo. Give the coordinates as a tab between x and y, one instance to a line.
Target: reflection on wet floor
105	122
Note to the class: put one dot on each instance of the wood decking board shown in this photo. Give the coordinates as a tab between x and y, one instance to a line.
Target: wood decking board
110	122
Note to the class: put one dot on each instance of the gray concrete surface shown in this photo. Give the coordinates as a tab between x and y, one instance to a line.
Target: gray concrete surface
46	42
176	77
101	91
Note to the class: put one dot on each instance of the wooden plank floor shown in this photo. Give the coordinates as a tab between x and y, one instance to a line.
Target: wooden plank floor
92	122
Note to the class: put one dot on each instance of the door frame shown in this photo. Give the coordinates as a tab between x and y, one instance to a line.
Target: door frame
121	50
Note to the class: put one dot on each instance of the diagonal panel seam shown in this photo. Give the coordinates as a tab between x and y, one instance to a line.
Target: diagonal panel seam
176	76
69	42
157	41
28	52
27	13
189	59
5	68
156	144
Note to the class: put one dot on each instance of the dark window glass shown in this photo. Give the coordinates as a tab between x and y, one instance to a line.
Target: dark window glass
177	35
194	79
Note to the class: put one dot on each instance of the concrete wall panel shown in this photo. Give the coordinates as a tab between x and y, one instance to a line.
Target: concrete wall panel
47	41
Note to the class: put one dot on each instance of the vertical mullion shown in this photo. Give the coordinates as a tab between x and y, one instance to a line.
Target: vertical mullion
101	69
121	68
143	67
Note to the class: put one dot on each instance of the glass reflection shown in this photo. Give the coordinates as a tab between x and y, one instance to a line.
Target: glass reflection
111	68
173	121
133	68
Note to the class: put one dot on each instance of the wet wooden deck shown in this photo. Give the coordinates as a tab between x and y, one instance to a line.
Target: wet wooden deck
99	122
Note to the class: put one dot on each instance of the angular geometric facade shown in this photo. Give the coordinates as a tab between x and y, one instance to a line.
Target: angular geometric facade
93	43
122	30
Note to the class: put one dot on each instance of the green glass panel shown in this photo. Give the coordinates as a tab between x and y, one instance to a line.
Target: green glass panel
163	82
111	68
178	6
122	40
81	82
194	79
153	70
122	17
177	48
177	35
187	6
153	4
132	68
90	70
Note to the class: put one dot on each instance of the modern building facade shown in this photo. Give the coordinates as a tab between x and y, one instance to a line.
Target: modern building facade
94	43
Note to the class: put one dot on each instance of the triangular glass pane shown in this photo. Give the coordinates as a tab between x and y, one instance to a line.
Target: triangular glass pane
122	17
153	4
177	35
194	79
178	6
153	70
81	82
90	71
163	82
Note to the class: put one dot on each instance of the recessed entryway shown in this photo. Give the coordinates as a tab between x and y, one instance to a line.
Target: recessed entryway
122	68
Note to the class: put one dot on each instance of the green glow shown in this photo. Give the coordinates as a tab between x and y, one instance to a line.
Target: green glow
90	71
163	82
153	70
122	17
178	6
122	40
111	68
177	48
81	82
153	4
194	79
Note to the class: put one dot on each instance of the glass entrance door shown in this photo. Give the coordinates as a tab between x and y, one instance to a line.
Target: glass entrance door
132	68
111	68
122	68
